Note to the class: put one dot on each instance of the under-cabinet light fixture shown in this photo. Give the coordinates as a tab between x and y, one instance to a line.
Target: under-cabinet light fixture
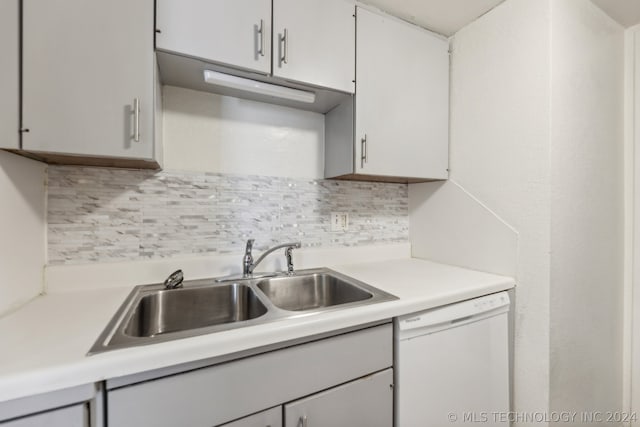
234	82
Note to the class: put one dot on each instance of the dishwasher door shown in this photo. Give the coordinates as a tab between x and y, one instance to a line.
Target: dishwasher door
452	365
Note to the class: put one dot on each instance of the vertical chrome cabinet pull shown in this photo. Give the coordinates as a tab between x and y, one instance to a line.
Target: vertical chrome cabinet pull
363	151
136	119
303	421
285	47
261	35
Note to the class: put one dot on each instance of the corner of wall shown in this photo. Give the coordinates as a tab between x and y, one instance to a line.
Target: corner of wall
449	225
23	228
631	365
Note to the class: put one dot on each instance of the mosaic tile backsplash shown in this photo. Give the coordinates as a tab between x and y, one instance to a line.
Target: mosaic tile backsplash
103	214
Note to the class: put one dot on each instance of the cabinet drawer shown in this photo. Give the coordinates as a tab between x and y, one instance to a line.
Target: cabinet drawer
72	416
228	391
269	418
367	402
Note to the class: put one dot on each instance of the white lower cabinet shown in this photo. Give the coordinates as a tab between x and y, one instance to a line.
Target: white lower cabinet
79	406
269	418
343	380
72	416
367	402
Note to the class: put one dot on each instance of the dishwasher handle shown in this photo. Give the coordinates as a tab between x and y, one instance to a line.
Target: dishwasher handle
454	314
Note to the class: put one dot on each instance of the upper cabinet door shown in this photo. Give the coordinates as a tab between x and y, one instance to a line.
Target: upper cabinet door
88	77
314	42
9	74
402	100
236	33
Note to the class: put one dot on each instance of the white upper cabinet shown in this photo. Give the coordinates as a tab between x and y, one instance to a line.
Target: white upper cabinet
396	126
314	42
235	33
88	85
9	74
402	102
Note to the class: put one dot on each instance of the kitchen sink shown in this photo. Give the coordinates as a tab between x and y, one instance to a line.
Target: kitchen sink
190	308
311	291
152	313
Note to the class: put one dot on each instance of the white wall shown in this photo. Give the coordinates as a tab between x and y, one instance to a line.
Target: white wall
499	152
23	230
212	133
537	137
449	225
587	208
633	193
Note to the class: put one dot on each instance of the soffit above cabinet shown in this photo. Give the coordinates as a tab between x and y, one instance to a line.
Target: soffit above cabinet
441	16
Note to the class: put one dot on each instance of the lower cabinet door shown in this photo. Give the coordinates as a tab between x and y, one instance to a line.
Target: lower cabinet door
71	416
269	418
367	402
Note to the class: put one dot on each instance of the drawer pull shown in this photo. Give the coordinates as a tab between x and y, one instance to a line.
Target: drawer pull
285	47
136	119
261	48
363	151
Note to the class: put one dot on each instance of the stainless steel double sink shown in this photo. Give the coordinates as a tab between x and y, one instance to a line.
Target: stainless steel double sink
153	314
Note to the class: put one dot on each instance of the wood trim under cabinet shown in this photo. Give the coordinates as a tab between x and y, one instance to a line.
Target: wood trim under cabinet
379	178
63	159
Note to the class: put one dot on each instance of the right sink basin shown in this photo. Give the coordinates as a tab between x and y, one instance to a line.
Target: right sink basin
311	291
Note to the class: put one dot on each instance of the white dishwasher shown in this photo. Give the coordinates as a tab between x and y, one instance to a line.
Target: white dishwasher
452	364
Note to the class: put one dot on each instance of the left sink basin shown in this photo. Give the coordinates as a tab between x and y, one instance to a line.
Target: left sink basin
153	314
177	310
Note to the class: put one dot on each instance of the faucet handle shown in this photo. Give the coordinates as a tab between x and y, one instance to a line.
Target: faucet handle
247	259
288	253
249	246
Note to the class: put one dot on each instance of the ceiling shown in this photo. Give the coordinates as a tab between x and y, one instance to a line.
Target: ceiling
442	16
448	16
626	12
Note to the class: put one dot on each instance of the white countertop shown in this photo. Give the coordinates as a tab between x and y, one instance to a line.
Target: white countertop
44	344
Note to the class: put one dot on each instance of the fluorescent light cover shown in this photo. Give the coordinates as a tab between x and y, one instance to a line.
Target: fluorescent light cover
234	82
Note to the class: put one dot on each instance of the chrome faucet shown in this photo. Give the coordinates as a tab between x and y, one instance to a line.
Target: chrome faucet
248	265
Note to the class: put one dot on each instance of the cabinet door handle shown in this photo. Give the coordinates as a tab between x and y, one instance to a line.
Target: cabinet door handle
261	35
285	47
136	119
363	151
303	421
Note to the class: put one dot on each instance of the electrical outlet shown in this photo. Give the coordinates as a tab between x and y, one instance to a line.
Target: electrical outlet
339	221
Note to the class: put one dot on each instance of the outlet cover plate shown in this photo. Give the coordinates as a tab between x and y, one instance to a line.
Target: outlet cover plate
339	221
